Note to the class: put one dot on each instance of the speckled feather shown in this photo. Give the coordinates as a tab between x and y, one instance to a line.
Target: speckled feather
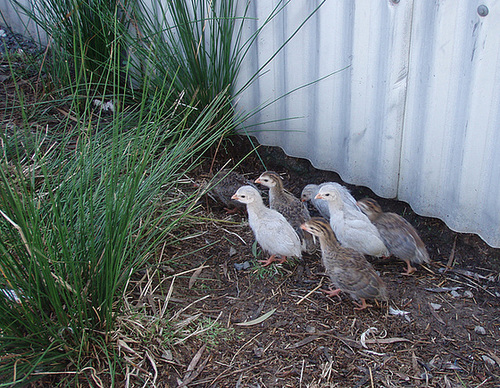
226	184
399	235
352	228
348	269
287	204
272	231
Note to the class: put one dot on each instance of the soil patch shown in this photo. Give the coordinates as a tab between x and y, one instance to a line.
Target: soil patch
441	327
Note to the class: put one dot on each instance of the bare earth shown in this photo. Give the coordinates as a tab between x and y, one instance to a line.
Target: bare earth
446	331
180	326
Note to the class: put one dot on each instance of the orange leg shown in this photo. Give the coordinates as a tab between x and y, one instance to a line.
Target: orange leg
409	269
331	293
272	259
363	305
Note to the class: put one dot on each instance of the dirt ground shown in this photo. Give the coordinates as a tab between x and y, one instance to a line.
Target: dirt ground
223	321
441	327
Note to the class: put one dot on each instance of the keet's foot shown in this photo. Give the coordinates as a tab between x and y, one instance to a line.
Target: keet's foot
409	269
272	259
331	293
363	305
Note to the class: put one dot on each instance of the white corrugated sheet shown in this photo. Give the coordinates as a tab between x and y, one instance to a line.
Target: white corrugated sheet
416	116
19	22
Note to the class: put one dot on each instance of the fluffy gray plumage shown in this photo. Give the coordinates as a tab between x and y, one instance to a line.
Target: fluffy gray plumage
311	190
399	236
348	269
352	228
272	231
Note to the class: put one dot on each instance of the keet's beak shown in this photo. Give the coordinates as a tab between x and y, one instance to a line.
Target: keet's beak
257	180
303	227
235	197
319	196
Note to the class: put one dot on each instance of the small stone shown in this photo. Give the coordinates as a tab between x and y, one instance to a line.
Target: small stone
242	266
455	294
2	34
232	251
258	352
435	306
468	294
488	360
167	355
310	329
480	330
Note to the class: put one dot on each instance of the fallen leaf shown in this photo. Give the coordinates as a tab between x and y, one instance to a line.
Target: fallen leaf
123	344
195	276
196	358
386	340
494	356
394	311
303	342
365	333
258	320
435	315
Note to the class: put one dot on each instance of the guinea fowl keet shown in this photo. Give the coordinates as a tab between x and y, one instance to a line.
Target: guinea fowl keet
311	190
399	236
226	182
272	231
287	204
353	229
348	269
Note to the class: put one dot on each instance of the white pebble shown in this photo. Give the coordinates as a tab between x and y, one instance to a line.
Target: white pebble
488	360
310	329
480	330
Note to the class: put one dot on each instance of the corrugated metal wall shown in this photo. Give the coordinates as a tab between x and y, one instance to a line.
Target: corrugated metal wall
19	22
416	115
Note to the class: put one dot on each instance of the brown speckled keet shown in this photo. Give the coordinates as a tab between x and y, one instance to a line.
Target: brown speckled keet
399	236
348	269
226	184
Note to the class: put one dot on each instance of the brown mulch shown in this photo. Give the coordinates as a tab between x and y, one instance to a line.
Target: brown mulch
441	327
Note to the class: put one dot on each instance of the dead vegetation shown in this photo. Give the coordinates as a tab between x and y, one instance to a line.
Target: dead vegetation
215	318
203	314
